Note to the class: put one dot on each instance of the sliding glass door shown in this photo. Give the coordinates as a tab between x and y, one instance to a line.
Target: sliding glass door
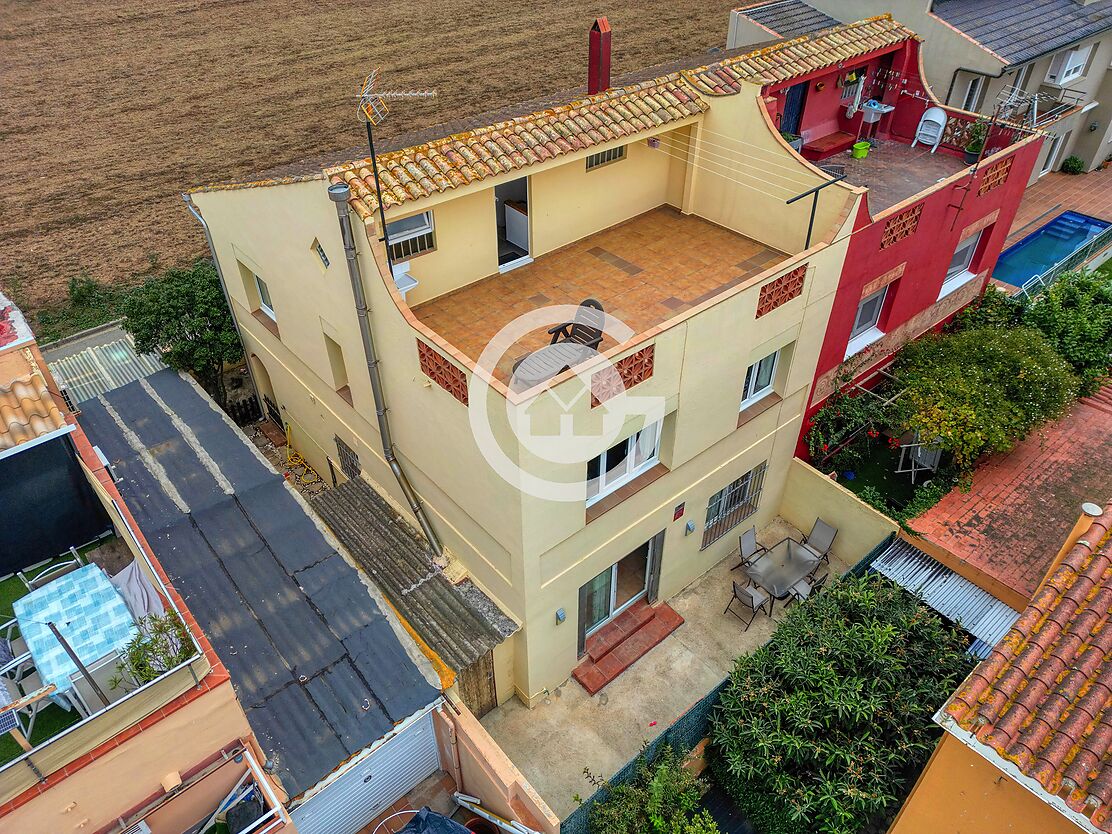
615	589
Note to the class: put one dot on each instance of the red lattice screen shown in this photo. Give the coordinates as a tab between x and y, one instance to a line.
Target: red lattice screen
781	290
902	226
442	372
996	175
635	368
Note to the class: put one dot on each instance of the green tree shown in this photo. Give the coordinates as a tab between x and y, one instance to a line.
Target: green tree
1075	314
823	728
978	391
182	315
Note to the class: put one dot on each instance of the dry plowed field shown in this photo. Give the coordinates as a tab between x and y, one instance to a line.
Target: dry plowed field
110	108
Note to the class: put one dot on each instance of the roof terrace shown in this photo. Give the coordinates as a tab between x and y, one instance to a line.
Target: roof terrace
644	271
894	171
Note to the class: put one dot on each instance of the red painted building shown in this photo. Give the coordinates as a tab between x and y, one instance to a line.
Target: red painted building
931	226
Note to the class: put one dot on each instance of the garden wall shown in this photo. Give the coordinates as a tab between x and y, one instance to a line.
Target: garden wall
809	494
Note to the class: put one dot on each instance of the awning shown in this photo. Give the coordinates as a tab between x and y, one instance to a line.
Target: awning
950	594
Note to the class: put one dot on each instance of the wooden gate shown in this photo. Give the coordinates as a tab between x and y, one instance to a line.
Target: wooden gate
476	685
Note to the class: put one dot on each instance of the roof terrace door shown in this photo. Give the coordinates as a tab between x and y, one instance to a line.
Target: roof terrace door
792	117
511	210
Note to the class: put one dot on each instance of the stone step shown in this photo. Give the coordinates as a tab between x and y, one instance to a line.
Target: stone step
594	676
607	638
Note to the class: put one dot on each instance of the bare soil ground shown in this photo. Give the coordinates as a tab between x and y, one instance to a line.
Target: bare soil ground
108	110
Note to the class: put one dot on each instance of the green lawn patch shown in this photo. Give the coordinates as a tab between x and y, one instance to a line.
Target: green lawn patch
50	721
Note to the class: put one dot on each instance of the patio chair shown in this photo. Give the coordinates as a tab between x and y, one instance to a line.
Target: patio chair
30	710
585	329
12	644
749	549
753	599
820	540
102	671
806	587
34	581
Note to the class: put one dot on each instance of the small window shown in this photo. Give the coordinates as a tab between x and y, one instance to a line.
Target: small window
868	312
349	461
733	504
337	366
958	272
321	253
623	462
597	160
973	93
265	304
410	236
759	378
1068	65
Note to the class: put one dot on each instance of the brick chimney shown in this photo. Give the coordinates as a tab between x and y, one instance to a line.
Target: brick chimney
598	57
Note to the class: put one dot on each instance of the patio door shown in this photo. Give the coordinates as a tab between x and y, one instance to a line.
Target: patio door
792	118
635	576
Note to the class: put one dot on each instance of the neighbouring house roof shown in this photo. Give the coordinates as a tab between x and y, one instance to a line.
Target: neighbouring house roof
459	623
28	411
315	655
88	372
1040	702
1017	31
950	594
999	526
460	159
787	18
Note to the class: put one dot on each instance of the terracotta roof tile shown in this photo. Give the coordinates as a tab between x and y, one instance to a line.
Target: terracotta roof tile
1043	698
27	409
443	164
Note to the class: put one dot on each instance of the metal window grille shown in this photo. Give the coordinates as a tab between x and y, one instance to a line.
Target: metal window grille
406	249
272	410
730	506
321	253
604	157
349	461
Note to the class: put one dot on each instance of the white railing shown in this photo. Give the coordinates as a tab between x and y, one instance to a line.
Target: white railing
1076	258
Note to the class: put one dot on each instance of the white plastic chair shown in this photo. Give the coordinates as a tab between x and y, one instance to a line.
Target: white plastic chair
931	127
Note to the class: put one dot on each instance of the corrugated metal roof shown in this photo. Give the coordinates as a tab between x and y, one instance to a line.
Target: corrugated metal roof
1019	31
951	595
98	369
788	18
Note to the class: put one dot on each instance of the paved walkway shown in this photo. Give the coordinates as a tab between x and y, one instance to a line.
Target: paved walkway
1055	193
1001	524
570	730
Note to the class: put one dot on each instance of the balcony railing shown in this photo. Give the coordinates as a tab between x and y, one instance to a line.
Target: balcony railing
1038	109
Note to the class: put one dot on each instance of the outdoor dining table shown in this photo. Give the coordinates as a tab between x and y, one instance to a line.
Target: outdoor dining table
783	566
89	613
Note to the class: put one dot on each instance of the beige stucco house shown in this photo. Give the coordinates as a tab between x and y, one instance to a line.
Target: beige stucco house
1046	61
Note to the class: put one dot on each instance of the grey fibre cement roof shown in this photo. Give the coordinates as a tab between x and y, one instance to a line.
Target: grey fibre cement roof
1020	30
459	623
317	667
789	18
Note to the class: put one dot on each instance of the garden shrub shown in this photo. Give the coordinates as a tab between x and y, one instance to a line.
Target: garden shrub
661	798
823	728
994	309
1073	165
981	390
1075	314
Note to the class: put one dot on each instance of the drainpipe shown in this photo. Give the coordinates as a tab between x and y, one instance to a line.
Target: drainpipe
189	204
339	193
982	73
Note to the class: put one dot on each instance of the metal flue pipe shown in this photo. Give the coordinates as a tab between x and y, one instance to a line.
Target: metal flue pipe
339	194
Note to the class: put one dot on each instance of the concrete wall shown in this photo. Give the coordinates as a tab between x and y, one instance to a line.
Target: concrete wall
134	769
959	791
809	494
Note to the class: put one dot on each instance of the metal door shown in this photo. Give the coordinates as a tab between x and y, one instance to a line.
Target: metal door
792	117
373	783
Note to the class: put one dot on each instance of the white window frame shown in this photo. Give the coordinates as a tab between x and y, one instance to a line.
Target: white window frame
973	93
750	394
426	229
597	160
1022	78
863	335
960	274
608	482
1070	65
266	303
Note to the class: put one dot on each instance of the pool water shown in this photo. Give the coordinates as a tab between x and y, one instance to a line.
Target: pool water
1046	246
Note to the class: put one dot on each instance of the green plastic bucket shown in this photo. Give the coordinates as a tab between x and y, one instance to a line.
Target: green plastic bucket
860	150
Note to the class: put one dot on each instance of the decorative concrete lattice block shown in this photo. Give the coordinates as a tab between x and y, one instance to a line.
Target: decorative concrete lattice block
996	175
902	226
635	368
781	290
442	372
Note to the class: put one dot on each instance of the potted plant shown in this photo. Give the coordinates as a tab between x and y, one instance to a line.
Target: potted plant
792	139
975	138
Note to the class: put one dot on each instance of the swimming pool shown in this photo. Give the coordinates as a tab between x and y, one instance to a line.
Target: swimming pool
1048	245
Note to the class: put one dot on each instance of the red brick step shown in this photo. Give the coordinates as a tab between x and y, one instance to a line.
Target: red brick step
620	647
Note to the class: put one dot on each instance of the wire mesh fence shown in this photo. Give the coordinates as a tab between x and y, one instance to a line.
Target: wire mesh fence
687	731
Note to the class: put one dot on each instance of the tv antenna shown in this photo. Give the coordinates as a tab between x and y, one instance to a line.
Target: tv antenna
373	106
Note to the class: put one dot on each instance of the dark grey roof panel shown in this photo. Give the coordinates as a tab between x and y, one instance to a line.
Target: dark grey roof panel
790	18
1024	30
233	556
400	563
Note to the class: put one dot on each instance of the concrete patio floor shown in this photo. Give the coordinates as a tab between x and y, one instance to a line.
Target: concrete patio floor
570	730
